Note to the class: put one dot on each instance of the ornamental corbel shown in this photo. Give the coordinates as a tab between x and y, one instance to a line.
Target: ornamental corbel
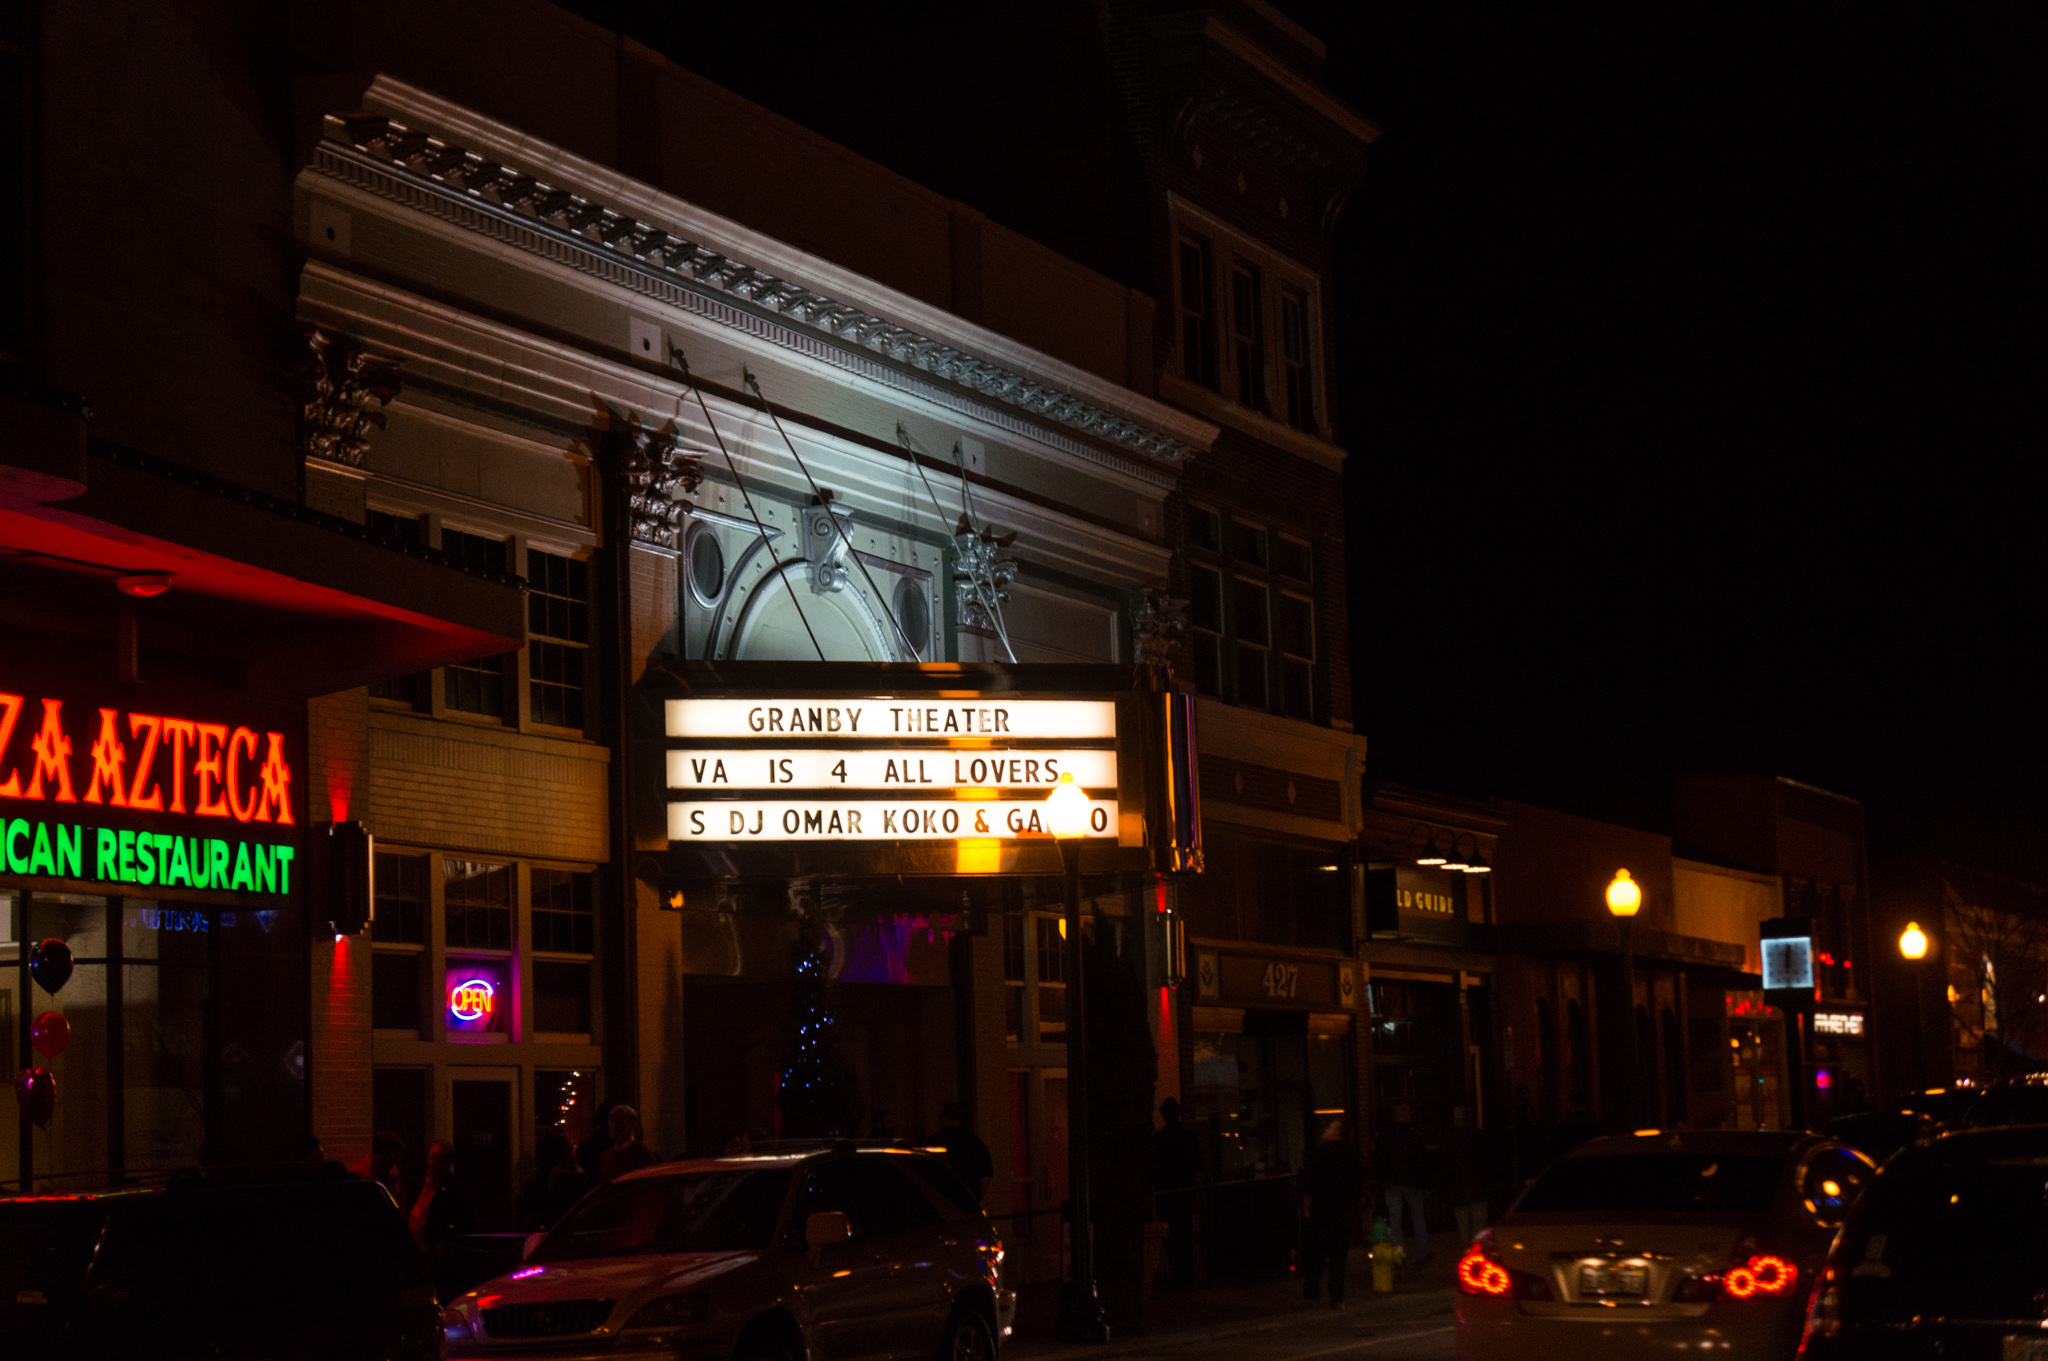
339	381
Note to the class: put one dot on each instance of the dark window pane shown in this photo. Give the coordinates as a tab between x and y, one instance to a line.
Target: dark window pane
556	683
395	990
1205	599
1248	612
557	596
410	691
478	687
1297	620
564	918
402	530
1197	315
1205	529
1297	689
477	904
1294	340
1247	337
1248	543
1013	949
1293	558
401	899
477	552
1208	664
561	996
1251	676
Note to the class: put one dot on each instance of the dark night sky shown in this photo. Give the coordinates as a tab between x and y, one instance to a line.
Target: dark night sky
1692	372
1691	365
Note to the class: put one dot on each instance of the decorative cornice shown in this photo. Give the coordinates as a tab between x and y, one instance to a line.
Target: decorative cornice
382	156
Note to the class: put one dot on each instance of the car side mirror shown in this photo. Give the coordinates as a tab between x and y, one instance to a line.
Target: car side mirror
532	1243
825	1228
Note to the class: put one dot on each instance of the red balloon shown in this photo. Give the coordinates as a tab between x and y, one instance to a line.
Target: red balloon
50	1033
36	1093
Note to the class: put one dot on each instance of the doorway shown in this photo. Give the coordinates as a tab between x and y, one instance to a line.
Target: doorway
480	1109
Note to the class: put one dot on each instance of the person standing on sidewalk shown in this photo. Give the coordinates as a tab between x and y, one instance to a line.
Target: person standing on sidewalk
1329	1208
1404	1172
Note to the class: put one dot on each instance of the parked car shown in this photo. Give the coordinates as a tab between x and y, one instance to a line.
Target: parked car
300	1261
1945	1256
1660	1243
817	1254
1879	1134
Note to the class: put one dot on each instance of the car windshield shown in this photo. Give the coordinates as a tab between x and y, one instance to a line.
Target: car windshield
1656	1183
720	1211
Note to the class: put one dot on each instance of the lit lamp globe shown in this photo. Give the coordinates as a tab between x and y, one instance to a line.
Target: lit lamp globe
1066	809
1624	895
1913	941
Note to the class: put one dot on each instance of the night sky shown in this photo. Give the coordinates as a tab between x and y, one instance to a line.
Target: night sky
1691	366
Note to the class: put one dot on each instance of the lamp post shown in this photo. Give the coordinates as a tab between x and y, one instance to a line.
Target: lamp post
1081	1319
1624	896
1913	947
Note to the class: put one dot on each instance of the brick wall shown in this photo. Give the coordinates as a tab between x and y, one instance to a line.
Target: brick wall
489	790
341	1046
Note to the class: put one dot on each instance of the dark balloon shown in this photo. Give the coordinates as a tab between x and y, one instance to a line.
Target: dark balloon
50	1033
36	1092
50	965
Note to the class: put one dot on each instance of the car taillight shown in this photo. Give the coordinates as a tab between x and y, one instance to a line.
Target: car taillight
1480	1274
1764	1276
1823	1311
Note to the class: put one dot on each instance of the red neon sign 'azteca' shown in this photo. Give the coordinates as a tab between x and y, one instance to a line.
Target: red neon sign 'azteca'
145	762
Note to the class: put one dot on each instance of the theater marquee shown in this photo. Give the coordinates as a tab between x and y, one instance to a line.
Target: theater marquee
952	780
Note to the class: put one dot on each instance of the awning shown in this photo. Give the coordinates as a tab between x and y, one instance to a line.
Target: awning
264	594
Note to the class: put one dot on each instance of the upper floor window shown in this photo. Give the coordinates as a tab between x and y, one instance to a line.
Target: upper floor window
1251	613
476	905
558	620
1297	374
404	531
1248	334
476	687
1197	312
1247	320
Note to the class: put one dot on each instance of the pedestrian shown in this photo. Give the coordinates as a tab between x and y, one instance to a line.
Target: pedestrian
1468	1177
557	1182
1176	1167
1329	1210
966	1154
627	1153
441	1208
387	1151
590	1153
1403	1166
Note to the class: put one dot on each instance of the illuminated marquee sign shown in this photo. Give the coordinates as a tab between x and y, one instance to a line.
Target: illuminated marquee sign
909	768
1848	1023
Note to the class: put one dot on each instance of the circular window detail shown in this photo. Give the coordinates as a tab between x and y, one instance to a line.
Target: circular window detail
914	615
707	565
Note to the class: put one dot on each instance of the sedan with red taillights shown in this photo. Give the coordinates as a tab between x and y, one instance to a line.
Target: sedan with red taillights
1660	1243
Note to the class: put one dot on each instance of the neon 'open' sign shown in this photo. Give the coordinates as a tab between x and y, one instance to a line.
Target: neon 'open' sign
472	1000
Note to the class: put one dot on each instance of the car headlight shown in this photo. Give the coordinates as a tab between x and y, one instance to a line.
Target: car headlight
454	1325
670	1311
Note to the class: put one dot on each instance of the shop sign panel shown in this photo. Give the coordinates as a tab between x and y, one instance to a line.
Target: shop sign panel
1251	981
116	795
1416	902
1845	1023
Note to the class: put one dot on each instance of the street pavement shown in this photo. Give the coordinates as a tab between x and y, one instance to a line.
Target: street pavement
1269	1321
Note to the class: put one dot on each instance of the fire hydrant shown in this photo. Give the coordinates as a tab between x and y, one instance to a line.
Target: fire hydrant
1386	1254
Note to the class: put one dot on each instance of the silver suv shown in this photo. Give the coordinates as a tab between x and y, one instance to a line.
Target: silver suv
819	1254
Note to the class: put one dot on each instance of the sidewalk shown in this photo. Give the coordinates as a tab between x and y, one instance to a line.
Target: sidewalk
1227	1309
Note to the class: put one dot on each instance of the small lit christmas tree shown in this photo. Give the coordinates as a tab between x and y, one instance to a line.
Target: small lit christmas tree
817	1082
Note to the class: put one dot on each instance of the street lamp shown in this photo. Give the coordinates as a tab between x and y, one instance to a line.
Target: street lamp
1624	897
1081	1318
1913	947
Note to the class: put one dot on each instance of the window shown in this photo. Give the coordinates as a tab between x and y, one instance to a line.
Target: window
476	687
395	990
1247	544
1297	373
558	618
1205	529
1013	978
1293	558
1205	614
564	919
561	996
1248	335
402	905
1251	623
402	531
1051	941
1197	313
1296	618
477	905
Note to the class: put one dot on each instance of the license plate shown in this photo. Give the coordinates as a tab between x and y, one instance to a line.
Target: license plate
2020	1348
1614	1278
